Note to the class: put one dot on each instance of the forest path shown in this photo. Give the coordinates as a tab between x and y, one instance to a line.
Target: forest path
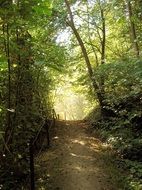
75	161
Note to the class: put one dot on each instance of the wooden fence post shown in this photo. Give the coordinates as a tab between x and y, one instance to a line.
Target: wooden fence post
47	134
32	173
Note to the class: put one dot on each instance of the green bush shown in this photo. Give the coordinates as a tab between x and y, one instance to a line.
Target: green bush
123	95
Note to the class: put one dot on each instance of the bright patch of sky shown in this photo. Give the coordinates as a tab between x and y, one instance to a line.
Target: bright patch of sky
14	1
64	36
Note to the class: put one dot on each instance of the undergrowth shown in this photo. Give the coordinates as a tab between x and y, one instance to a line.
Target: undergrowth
125	138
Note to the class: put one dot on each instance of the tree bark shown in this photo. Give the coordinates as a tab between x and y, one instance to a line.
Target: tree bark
133	28
90	41
72	25
96	86
7	52
103	43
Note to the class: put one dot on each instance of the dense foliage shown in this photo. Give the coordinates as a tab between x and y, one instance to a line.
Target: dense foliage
122	126
29	62
98	43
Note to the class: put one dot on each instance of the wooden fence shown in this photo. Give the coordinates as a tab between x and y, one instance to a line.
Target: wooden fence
36	144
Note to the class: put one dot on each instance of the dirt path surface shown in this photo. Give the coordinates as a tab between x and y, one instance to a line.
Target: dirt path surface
74	162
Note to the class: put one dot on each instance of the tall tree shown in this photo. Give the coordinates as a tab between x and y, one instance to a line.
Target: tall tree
132	28
97	88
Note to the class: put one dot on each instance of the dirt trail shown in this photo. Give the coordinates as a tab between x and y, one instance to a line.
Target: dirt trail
74	162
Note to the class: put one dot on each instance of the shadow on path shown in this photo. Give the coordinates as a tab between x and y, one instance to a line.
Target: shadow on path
74	162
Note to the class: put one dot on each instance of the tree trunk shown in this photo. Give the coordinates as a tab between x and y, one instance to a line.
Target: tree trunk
84	52
7	52
133	28
103	43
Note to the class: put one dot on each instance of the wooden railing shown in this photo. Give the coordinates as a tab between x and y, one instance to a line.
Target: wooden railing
36	144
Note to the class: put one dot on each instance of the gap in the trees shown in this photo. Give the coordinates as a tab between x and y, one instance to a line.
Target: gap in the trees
69	104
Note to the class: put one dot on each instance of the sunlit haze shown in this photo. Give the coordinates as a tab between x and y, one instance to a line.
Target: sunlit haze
70	105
